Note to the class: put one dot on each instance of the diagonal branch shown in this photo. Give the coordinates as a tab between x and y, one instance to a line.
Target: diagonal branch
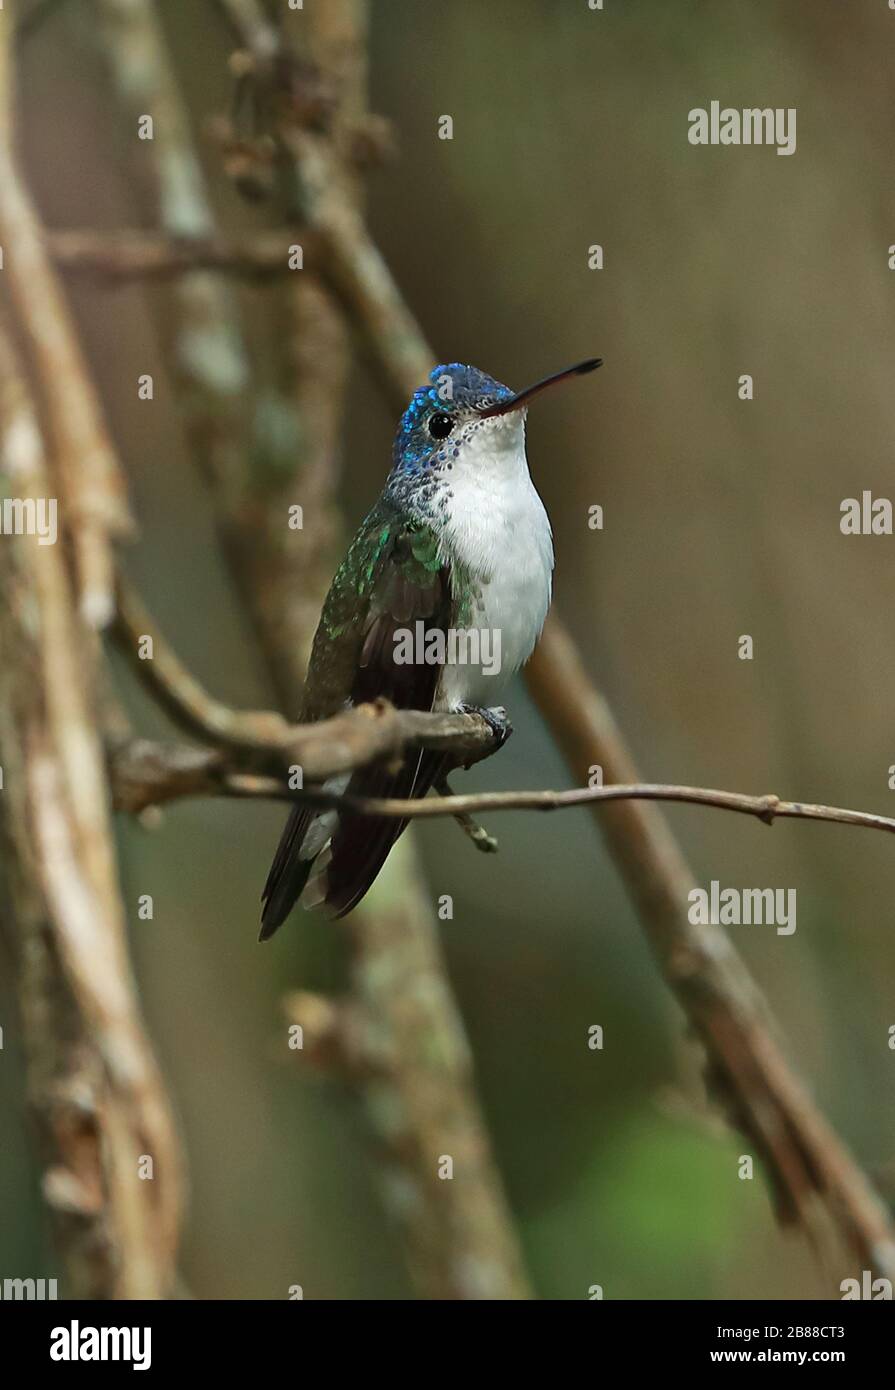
749	1072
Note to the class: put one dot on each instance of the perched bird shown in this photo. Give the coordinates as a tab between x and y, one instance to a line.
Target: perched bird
459	543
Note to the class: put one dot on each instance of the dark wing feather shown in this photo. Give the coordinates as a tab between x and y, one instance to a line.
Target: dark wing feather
362	844
409	592
392	577
288	873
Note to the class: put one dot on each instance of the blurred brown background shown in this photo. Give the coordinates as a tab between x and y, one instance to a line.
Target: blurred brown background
721	518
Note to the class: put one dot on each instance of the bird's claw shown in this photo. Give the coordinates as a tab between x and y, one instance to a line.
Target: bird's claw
496	718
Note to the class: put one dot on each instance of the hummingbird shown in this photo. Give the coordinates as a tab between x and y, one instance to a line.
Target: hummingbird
458	542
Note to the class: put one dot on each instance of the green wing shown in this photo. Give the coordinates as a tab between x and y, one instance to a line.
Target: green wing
392	577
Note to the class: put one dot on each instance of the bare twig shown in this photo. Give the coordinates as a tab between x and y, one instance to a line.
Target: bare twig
135	255
157	773
767	808
485	843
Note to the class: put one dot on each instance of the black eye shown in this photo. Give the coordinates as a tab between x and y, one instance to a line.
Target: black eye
440	426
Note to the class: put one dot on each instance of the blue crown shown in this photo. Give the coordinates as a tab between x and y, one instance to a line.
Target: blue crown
455	386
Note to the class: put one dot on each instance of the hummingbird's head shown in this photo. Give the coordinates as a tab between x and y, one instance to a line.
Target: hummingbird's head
466	418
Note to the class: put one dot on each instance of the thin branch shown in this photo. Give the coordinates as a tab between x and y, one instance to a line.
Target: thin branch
121	256
478	835
157	773
766	808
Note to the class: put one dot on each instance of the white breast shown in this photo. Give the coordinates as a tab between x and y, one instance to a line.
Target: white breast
497	528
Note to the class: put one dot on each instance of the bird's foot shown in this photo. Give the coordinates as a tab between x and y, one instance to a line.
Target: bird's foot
496	718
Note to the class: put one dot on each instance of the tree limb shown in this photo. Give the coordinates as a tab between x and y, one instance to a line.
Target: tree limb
154	773
766	808
147	773
98	1099
343	743
121	256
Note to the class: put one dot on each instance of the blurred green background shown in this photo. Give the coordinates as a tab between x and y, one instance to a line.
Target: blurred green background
721	518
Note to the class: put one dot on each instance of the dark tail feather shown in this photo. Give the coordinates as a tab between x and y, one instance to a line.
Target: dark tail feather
288	873
361	844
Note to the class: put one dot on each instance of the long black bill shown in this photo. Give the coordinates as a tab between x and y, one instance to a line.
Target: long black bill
522	398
